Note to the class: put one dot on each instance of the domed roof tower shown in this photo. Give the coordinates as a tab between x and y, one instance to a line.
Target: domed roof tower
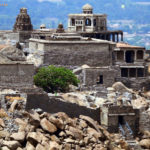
87	9
23	21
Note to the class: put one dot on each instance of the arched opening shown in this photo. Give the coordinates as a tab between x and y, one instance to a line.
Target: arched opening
88	22
140	54
129	56
73	22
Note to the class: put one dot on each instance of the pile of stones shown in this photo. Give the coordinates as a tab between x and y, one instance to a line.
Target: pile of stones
38	130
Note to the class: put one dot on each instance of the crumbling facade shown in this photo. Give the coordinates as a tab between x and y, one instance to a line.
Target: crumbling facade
120	119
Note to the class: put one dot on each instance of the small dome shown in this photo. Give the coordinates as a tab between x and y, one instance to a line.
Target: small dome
23	10
87	7
60	26
42	26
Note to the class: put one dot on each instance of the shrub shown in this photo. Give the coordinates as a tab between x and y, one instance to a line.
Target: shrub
54	79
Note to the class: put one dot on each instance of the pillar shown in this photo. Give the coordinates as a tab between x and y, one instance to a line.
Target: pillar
125	56
136	72
113	37
121	36
135	55
117	37
105	36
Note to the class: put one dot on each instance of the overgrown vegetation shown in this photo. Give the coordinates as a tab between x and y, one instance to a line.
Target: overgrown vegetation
54	79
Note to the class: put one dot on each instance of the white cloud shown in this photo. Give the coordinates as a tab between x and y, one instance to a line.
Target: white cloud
142	3
53	1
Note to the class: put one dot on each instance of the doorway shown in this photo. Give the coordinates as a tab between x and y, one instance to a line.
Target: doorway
129	56
121	120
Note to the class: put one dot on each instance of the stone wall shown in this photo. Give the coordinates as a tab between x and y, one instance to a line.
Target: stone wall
74	53
135	83
54	105
144	121
16	75
78	54
91	76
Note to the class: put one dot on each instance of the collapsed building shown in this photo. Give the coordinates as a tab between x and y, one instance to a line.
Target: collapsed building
97	56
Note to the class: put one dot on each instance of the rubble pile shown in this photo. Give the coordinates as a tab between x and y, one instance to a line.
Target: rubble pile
43	131
12	106
118	94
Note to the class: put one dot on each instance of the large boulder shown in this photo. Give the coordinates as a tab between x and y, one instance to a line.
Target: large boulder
20	136
120	87
145	143
13	145
13	53
48	126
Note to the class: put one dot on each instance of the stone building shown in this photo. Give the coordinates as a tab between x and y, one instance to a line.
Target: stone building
123	119
87	21
92	25
132	65
85	24
15	72
108	62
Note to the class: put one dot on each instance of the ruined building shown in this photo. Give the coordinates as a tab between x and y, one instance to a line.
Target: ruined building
86	41
86	24
107	61
92	25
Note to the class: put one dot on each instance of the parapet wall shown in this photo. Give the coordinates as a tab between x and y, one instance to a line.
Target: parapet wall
54	105
16	75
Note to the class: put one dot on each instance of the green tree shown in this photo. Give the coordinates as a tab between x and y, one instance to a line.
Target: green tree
54	79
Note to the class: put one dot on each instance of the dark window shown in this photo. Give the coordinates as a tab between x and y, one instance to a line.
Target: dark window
124	72
102	28
94	22
100	79
139	54
140	72
129	56
121	120
73	22
132	72
120	55
42	37
88	22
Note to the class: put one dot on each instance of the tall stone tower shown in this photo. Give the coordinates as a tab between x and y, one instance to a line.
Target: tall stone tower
23	21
